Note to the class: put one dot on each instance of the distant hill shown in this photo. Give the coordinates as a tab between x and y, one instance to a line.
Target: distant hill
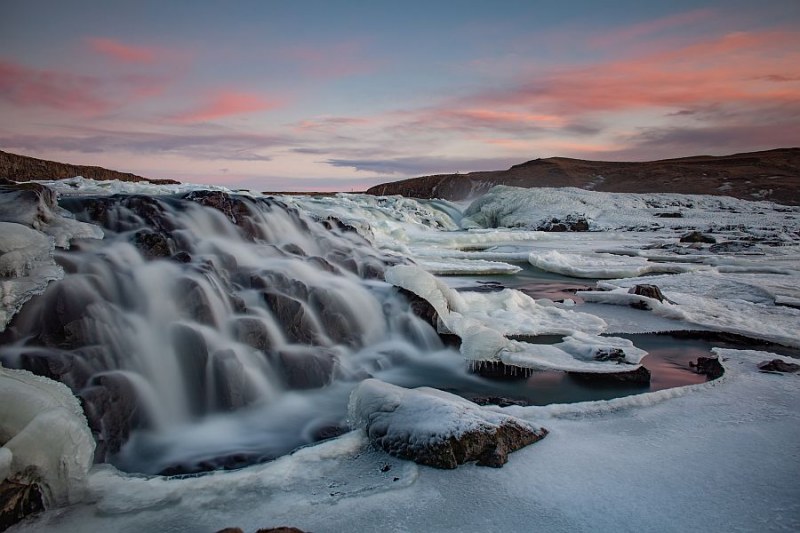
769	175
23	168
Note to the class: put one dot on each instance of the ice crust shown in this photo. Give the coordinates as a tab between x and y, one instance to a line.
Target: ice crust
44	435
29	233
484	321
599	265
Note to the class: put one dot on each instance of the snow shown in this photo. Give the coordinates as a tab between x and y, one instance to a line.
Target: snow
43	429
419	417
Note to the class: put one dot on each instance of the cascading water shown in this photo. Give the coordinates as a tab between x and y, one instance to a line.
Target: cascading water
221	329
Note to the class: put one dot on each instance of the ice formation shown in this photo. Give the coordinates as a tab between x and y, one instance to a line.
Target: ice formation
31	226
44	436
485	321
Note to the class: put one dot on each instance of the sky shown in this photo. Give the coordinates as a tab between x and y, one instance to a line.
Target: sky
340	95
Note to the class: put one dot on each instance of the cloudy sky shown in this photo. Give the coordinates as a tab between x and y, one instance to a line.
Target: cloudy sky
339	95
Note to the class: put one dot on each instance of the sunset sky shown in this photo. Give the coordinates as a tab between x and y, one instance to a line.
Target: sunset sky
302	95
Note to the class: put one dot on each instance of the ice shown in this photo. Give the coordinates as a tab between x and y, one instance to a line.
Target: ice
44	434
721	302
485	321
513	207
599	265
81	185
454	267
31	226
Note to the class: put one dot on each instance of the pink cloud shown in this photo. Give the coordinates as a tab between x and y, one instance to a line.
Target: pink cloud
227	103
27	87
122	52
732	69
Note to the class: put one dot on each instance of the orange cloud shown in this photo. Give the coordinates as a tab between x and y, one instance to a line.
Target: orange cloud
227	103
122	52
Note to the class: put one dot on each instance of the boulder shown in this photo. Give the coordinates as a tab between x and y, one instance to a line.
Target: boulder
778	365
696	236
711	367
17	501
648	291
435	428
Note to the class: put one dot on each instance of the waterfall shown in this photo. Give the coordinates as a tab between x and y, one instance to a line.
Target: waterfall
200	313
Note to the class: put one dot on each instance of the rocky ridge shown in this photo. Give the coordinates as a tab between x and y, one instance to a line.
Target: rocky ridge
768	175
23	168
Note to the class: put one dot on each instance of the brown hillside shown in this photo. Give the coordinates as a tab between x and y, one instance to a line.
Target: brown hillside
23	168
769	175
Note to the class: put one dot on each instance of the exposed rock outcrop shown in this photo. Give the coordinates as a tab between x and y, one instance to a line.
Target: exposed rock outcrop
23	168
768	175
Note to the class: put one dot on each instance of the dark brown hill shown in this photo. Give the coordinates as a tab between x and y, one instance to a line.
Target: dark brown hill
23	168
769	175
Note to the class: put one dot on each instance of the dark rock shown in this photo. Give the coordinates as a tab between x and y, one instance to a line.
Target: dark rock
648	291
302	369
498	400
112	410
252	332
230	380
191	298
696	236
24	168
709	366
231	530
152	245
296	322
182	257
610	354
328	432
669	215
640	376
18	500
778	365
570	223
281	529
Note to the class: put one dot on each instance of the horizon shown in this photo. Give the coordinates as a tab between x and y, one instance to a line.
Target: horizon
323	96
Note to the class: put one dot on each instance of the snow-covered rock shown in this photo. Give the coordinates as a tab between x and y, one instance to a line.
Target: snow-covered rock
435	428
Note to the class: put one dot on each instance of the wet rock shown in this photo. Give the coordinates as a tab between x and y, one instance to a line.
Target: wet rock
778	365
697	237
328	432
112	411
252	332
669	215
232	461
230	381
648	291
499	401
711	367
610	354
182	257
235	209
296	321
57	365
640	376
18	500
152	245
302	369
191	298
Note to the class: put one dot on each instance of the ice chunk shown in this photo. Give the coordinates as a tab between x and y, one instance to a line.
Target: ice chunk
599	265
44	434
